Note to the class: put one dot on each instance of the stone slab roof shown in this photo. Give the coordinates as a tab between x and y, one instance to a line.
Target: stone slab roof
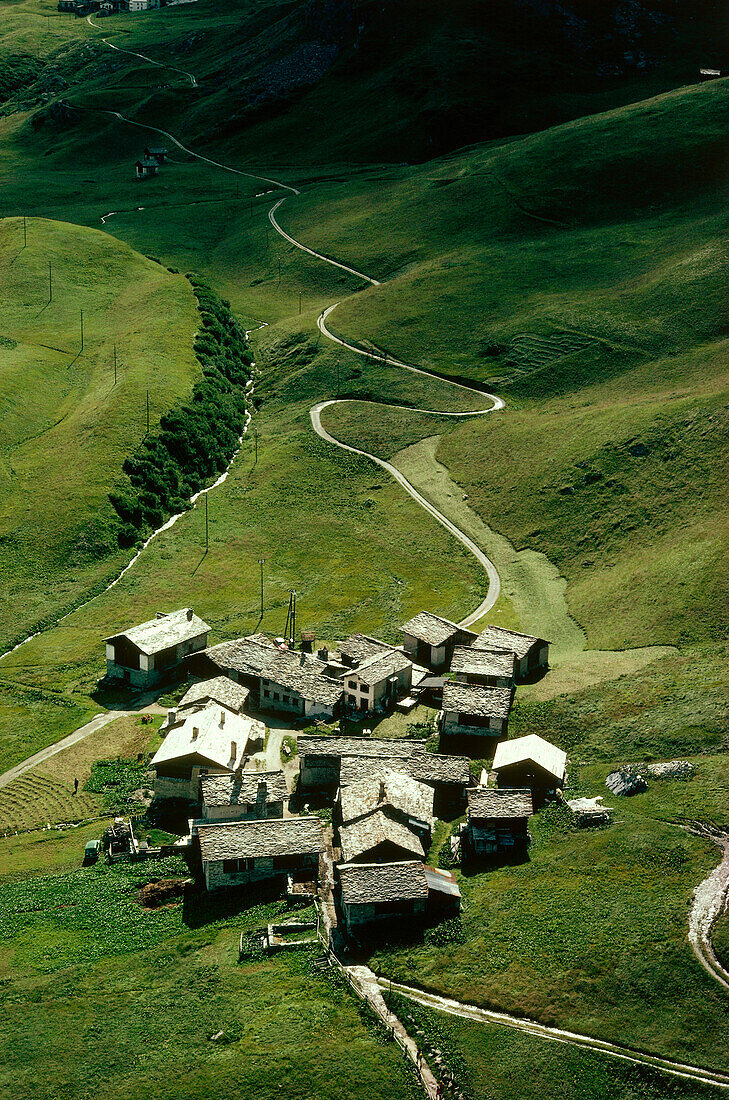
360	647
260	839
477	700
361	746
164	631
482	662
387	788
242	787
497	637
368	883
425	767
431	629
377	828
220	689
209	733
502	803
531	749
380	667
303	674
246	655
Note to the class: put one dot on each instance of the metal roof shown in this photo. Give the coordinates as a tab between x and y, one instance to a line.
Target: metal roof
164	631
534	749
442	882
208	733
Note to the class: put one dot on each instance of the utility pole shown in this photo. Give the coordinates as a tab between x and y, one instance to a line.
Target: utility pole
299	303
82	330
206	499
114	364
338	378
279	272
255	443
207	540
267	239
50	282
25	232
260	562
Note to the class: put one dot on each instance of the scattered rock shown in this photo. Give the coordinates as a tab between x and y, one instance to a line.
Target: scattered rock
671	769
625	782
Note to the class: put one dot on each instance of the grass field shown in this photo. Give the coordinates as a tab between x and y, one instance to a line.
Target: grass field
45	795
174	979
62	451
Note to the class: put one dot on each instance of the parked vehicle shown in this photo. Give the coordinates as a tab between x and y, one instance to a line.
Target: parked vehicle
92	851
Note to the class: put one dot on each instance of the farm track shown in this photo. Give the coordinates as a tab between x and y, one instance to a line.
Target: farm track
685	1070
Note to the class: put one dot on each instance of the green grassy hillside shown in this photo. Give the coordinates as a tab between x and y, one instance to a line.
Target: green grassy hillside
66	427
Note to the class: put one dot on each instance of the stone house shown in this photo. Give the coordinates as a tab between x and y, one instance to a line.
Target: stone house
498	822
295	683
243	795
531	654
320	757
378	838
530	762
360	647
378	682
145	167
375	896
430	640
488	667
197	743
242	853
470	710
156	152
447	775
241	659
398	795
220	689
145	654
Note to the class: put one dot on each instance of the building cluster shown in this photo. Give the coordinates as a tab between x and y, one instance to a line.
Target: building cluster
153	156
108	7
385	793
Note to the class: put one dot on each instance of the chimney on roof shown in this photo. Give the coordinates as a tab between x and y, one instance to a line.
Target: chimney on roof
222	718
262	791
171	717
233	751
195	732
189	614
160	615
383	792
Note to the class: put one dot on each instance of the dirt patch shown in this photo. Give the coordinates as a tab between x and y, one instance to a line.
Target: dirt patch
153	895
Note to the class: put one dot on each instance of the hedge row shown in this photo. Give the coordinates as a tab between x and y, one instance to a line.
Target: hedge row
195	442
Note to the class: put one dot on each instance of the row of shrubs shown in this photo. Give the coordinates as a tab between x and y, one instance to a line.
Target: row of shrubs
194	442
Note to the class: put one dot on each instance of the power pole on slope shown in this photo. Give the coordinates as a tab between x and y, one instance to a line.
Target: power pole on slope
50	282
148	423
261	562
207	538
114	364
82	330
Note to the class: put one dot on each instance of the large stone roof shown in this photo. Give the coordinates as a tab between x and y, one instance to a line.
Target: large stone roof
368	883
380	667
303	674
425	767
387	788
532	749
491	802
360	647
255	839
362	746
498	637
210	734
246	655
242	787
477	700
430	628
220	689
482	662
377	828
165	631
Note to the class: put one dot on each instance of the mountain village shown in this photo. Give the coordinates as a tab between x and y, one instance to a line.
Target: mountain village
352	825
